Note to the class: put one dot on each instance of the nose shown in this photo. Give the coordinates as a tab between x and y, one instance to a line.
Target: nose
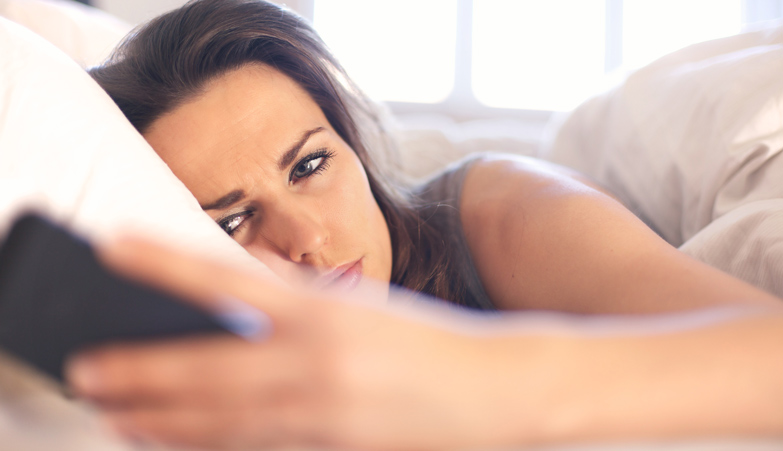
297	231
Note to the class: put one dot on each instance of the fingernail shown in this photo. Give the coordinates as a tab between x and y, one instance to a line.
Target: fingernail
83	374
244	320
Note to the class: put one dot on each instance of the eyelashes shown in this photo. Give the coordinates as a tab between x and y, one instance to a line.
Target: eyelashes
312	164
232	223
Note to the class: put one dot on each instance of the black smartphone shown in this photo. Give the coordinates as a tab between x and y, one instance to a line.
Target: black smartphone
56	298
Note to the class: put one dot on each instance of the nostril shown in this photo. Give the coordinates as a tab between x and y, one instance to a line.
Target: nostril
309	240
295	229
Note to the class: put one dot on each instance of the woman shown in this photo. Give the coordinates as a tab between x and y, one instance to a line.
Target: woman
244	103
248	108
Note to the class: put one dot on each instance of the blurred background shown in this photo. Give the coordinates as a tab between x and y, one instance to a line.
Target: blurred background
521	59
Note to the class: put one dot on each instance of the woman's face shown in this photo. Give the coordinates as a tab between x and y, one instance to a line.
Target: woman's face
263	161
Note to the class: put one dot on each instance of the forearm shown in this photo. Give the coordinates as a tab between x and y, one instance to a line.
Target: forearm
722	380
401	376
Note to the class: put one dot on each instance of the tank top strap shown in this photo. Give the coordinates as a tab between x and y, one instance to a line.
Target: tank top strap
442	195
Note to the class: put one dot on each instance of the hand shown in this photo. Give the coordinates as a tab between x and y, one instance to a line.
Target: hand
333	372
352	374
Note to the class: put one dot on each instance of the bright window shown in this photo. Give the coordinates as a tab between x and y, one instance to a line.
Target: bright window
653	29
538	55
471	55
402	50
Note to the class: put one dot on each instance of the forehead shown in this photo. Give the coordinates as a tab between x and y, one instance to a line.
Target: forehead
246	118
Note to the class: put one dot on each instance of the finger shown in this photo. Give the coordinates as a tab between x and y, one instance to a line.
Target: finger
205	283
195	371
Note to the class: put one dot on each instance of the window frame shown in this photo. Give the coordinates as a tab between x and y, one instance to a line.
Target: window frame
462	104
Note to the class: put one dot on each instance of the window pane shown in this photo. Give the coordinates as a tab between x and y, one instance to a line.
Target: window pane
401	50
545	55
654	28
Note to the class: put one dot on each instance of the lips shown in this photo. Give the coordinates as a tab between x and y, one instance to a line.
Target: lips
343	278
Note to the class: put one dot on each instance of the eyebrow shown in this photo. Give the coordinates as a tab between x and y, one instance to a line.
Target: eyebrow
225	201
290	155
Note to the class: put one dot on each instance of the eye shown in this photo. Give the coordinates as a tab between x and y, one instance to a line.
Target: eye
306	168
233	222
311	164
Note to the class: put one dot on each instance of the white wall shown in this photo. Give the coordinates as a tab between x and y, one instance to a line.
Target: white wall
137	11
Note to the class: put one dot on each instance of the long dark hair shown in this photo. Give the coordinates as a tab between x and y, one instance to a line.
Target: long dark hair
169	61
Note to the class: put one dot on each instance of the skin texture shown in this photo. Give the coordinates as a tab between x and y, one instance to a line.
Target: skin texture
547	239
232	138
352	374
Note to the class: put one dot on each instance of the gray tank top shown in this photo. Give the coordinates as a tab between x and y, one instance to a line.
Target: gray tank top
442	194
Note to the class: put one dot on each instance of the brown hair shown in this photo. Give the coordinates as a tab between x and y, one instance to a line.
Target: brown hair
169	61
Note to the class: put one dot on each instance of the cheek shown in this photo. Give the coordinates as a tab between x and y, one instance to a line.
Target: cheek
284	269
362	218
354	205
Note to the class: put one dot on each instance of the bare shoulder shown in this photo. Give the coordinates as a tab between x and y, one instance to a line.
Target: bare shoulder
500	188
495	176
545	237
518	215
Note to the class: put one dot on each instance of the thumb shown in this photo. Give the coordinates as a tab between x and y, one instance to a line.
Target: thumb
215	287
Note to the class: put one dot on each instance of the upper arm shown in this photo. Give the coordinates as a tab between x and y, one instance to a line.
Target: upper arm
541	238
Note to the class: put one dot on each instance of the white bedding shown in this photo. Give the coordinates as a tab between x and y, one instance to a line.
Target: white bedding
68	151
85	34
692	143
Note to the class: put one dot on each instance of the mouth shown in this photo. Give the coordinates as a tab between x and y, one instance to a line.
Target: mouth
344	278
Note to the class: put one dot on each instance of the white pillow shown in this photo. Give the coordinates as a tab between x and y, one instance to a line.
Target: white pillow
688	139
84	33
430	142
746	242
67	150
